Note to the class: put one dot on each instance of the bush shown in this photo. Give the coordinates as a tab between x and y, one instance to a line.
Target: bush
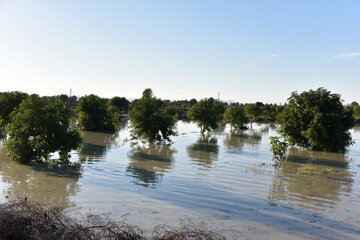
121	103
252	111
317	120
151	119
207	114
235	116
9	101
94	114
39	127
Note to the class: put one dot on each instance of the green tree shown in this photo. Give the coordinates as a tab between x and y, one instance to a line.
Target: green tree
151	119
356	112
235	116
9	101
207	114
317	120
252	111
120	102
39	127
94	114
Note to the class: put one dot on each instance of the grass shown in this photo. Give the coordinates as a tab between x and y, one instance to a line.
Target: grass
23	220
316	171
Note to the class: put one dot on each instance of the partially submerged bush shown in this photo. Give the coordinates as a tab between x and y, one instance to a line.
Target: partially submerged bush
94	114
207	114
278	148
151	119
30	221
235	116
39	127
317	120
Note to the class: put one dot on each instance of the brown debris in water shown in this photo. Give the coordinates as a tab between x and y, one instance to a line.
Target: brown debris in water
24	220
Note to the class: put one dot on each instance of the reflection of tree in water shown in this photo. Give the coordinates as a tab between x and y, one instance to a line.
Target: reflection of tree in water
40	181
236	141
204	152
314	191
95	144
220	129
123	124
149	163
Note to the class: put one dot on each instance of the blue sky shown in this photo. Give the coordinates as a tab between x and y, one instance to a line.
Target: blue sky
246	50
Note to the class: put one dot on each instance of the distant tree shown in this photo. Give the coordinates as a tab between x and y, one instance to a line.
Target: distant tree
94	114
120	102
64	98
9	101
235	116
354	104
356	112
317	120
207	114
39	127
252	111
192	102
151	119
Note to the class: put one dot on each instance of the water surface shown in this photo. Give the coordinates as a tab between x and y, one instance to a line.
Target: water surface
227	182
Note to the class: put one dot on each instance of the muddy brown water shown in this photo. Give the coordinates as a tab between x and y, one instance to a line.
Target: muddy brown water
227	183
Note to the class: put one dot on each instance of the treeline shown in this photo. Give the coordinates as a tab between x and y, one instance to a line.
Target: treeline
36	126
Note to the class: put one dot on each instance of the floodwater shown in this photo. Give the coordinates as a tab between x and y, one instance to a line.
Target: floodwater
228	183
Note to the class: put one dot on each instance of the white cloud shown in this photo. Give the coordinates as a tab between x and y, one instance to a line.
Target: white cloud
347	55
273	55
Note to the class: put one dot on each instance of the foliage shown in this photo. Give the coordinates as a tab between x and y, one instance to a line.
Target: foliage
151	119
278	148
235	116
94	114
207	114
9	101
252	111
356	112
317	120
120	103
39	127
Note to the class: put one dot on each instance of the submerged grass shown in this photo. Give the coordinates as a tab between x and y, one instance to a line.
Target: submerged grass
316	171
24	220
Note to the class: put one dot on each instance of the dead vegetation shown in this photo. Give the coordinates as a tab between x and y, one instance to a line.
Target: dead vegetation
23	220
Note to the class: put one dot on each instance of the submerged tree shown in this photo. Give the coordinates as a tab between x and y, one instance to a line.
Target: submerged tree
235	116
317	120
9	101
252	111
151	119
207	114
94	114
39	127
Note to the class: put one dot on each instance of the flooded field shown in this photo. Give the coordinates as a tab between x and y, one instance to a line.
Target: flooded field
227	183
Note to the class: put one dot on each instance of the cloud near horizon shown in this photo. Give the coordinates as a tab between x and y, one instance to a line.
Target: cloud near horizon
273	55
347	55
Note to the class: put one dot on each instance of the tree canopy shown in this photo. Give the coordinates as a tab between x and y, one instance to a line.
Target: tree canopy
39	127
207	114
235	116
151	119
9	101
253	111
94	114
317	120
120	102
